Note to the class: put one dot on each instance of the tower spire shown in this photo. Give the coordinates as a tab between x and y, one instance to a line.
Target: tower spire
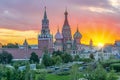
45	14
77	28
58	29
66	20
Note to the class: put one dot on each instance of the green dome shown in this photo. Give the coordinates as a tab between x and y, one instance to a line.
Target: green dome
77	34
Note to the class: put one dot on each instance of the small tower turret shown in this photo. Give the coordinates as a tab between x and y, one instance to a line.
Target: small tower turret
91	43
25	44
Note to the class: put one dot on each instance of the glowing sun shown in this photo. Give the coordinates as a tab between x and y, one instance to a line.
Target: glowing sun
100	45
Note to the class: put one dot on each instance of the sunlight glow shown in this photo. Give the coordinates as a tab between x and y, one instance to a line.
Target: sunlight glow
14	36
100	45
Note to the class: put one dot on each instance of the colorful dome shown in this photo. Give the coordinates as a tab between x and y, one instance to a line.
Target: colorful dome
58	35
77	34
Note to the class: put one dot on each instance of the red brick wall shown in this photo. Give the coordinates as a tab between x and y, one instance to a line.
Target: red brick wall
22	53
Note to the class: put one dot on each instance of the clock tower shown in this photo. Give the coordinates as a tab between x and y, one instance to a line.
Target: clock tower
45	39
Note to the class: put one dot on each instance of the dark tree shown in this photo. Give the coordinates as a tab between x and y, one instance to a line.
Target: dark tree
47	60
57	53
34	58
67	58
76	58
11	45
5	57
91	56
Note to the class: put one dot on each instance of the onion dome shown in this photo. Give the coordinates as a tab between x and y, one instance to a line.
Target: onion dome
77	34
58	35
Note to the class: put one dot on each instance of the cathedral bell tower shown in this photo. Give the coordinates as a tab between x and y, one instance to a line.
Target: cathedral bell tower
45	39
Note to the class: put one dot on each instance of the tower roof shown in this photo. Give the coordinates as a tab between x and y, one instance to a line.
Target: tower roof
58	35
66	18
66	30
77	34
45	14
91	42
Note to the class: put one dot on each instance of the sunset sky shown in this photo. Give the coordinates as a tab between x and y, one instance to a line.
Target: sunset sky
98	20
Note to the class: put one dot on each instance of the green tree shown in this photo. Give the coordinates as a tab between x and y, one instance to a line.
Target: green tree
11	45
76	58
67	58
58	60
41	75
6	73
34	58
112	75
47	60
96	74
91	56
5	57
57	53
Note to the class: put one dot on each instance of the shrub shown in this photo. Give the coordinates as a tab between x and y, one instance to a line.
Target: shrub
86	59
115	66
109	62
63	73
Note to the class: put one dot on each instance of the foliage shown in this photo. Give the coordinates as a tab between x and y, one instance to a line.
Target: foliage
107	63
74	72
98	74
27	74
47	60
62	57
34	58
57	77
5	73
16	64
57	60
76	58
11	45
85	60
115	66
67	58
40	66
41	75
91	56
63	73
5	57
57	53
112	75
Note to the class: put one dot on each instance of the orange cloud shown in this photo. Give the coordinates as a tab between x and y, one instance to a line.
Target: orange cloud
12	36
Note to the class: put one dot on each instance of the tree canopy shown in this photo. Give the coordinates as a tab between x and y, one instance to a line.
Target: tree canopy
5	57
34	58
